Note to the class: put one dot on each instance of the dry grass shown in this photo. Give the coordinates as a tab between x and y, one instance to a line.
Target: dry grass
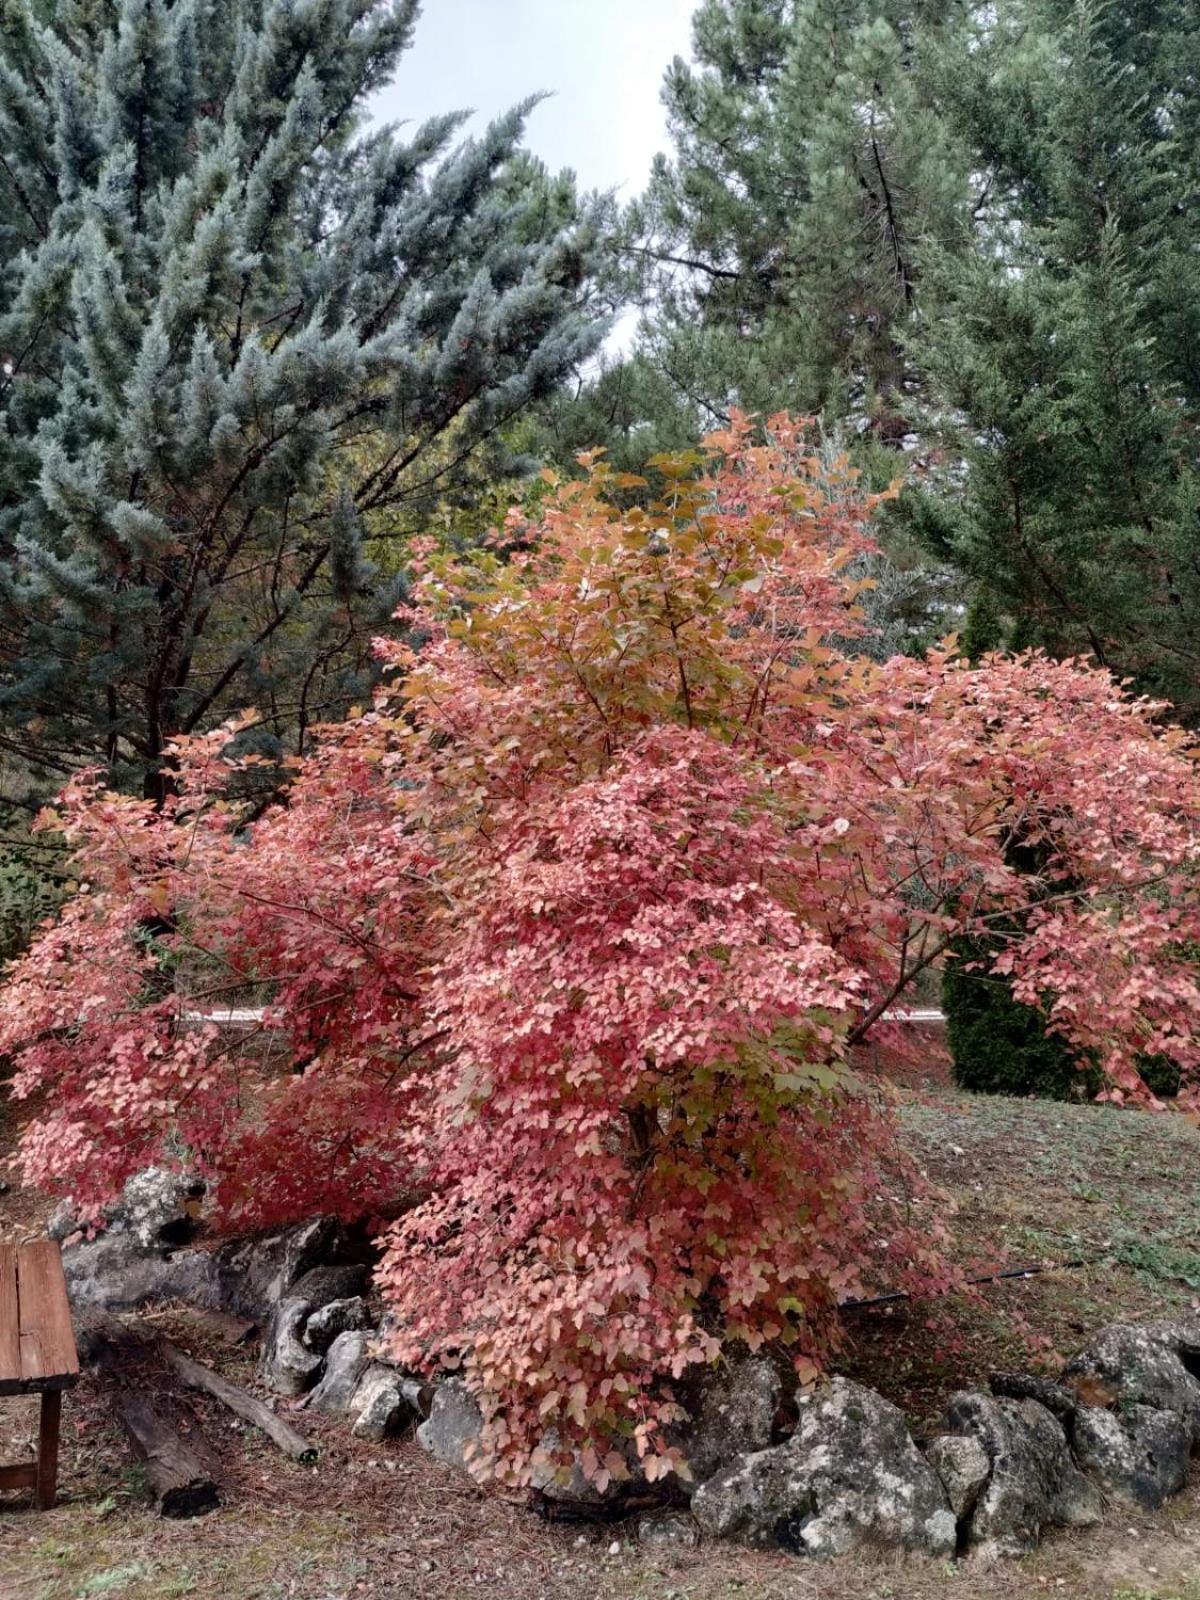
1034	1183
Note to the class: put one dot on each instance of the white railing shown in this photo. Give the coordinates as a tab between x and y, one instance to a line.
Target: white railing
251	1016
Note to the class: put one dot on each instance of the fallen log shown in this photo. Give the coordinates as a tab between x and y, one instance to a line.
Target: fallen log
181	1467
180	1475
197	1376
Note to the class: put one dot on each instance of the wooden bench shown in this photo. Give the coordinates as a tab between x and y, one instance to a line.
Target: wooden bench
37	1354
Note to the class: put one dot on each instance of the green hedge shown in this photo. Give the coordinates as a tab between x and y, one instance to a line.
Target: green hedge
29	893
1000	1046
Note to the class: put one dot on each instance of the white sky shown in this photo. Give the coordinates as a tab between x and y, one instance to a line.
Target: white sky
603	59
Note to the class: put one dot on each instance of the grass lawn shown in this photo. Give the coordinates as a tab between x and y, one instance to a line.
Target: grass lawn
1035	1184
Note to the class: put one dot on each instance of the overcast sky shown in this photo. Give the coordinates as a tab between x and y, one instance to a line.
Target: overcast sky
603	59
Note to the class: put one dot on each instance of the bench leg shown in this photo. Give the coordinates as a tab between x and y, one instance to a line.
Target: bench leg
46	1489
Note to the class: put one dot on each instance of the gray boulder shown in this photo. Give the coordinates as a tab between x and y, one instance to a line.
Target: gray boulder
310	1244
1183	1337
453	1423
1032	1484
667	1531
110	1273
131	1261
1137	1416
1057	1398
288	1367
154	1212
850	1477
154	1208
734	1412
1137	1366
255	1273
130	1264
338	1280
963	1466
559	1476
339	1316
1140	1454
382	1404
348	1358
62	1222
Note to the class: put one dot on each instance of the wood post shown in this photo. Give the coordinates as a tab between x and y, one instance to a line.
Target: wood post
46	1488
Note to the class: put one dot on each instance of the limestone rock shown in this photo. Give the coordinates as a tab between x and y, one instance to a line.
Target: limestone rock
153	1208
667	1531
336	1280
1057	1398
1182	1335
255	1273
327	1321
1140	1449
310	1244
734	1412
1033	1482
345	1364
564	1482
849	1477
1137	1366
62	1221
130	1264
963	1466
287	1366
110	1273
381	1404
153	1212
454	1422
131	1260
1140	1454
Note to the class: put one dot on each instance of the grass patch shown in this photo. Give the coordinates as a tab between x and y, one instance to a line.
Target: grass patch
113	1580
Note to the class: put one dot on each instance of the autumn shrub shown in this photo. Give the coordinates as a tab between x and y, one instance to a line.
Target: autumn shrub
570	932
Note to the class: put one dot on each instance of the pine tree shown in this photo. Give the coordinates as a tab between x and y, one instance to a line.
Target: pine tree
783	241
627	405
247	341
778	253
1066	352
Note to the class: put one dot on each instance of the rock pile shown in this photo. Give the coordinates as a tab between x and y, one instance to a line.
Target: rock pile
822	1474
849	1476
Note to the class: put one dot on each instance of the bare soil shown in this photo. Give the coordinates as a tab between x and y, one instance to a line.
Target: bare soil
1036	1185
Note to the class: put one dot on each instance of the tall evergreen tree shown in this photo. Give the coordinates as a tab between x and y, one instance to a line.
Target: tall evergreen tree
1066	351
246	341
783	241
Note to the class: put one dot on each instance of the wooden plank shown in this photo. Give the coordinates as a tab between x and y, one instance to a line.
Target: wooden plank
10	1341
47	1338
46	1488
39	1385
